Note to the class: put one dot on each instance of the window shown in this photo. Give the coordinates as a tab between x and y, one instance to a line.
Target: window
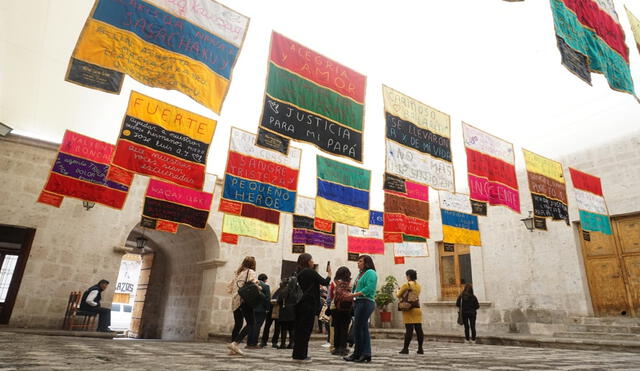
127	308
115	307
6	273
455	269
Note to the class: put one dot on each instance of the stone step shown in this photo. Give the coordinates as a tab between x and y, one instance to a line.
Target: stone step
599	336
614	321
605	329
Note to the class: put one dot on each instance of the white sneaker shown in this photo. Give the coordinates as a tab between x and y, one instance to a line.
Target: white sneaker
234	348
326	345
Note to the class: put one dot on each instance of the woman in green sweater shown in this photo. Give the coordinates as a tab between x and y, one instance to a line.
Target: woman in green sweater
364	293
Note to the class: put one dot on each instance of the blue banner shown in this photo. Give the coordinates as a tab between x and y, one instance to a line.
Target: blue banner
258	194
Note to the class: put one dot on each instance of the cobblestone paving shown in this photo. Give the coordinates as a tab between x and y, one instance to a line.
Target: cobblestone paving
36	352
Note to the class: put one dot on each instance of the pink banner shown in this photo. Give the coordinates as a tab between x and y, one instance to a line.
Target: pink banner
493	193
179	195
85	147
365	245
417	191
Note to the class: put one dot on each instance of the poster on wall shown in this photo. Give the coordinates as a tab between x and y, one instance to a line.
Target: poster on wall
406	210
370	240
190	46
547	187
459	226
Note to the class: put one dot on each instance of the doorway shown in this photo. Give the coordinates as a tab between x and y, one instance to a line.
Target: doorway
612	266
15	245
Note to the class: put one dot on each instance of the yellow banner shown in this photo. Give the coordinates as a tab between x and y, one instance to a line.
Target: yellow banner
411	110
255	228
543	166
460	235
341	213
171	117
635	26
113	48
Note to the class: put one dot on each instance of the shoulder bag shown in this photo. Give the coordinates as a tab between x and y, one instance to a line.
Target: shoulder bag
460	322
250	293
408	300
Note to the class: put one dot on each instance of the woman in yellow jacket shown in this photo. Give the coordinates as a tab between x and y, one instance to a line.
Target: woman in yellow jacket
412	318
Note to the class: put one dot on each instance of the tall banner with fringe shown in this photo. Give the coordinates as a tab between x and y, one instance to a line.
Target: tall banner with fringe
304	233
367	241
313	99
548	189
458	224
190	46
492	171
594	215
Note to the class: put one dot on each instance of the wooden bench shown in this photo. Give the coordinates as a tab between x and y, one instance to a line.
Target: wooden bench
76	318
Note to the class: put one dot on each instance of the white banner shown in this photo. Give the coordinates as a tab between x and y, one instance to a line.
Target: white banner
410	249
305	206
455	202
416	166
243	143
480	141
374	231
589	202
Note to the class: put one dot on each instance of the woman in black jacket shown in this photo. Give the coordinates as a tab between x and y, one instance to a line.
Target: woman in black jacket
468	304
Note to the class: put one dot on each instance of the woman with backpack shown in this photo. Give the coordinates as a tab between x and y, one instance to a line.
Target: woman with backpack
468	304
341	310
412	318
244	275
309	282
287	312
364	292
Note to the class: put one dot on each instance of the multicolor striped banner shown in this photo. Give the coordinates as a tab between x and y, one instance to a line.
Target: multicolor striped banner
313	99
406	210
304	233
590	38
547	186
418	141
367	241
164	141
258	185
594	215
491	167
80	171
458	225
189	46
343	193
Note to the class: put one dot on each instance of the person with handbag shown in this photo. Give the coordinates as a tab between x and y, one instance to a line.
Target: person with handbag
409	305
244	283
364	293
468	304
341	310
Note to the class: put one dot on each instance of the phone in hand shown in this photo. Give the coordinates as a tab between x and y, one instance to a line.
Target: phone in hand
328	265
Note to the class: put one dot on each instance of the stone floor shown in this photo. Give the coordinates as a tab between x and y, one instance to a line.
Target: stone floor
24	351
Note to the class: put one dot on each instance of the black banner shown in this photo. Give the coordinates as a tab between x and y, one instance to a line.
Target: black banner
174	213
148	222
586	235
449	247
546	207
305	222
94	76
575	62
169	142
297	249
353	256
269	140
478	208
394	183
412	136
294	123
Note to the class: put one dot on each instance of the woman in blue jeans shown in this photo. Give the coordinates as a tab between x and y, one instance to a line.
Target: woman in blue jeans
364	293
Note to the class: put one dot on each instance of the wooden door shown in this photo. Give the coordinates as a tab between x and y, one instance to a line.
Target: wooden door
628	237
455	269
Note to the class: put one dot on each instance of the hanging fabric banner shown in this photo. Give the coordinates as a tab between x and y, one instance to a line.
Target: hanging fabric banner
304	233
491	167
367	241
635	27
547	186
187	46
164	141
590	38
80	171
410	249
343	193
594	215
258	185
406	210
418	141
313	99
458	225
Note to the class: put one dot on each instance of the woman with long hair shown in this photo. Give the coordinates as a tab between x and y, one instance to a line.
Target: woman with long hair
341	307
412	318
245	274
309	281
468	304
364	293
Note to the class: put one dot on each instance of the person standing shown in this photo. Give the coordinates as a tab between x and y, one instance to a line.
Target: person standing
244	275
364	292
468	304
287	313
341	310
309	281
269	319
412	318
90	302
263	308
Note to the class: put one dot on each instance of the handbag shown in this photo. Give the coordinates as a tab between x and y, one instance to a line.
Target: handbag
250	293
460	321
408	300
324	316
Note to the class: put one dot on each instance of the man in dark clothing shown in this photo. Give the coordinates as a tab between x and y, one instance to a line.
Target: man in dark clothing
91	303
263	308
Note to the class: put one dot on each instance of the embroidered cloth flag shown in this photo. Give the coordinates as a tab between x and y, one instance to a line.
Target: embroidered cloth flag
164	141
590	38
458	225
343	193
594	215
258	185
410	249
491	167
406	210
80	171
635	27
304	233
189	46
313	99
418	144
548	188
367	241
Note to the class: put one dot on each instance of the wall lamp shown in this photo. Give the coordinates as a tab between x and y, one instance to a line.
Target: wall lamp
140	241
528	222
88	205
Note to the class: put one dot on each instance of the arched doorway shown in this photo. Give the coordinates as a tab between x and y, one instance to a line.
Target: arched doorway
169	291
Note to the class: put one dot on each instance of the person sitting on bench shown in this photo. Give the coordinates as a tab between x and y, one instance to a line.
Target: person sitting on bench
90	302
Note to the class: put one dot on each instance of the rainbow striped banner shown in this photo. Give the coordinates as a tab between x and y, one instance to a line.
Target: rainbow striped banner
186	46
458	224
367	241
343	193
548	188
594	215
